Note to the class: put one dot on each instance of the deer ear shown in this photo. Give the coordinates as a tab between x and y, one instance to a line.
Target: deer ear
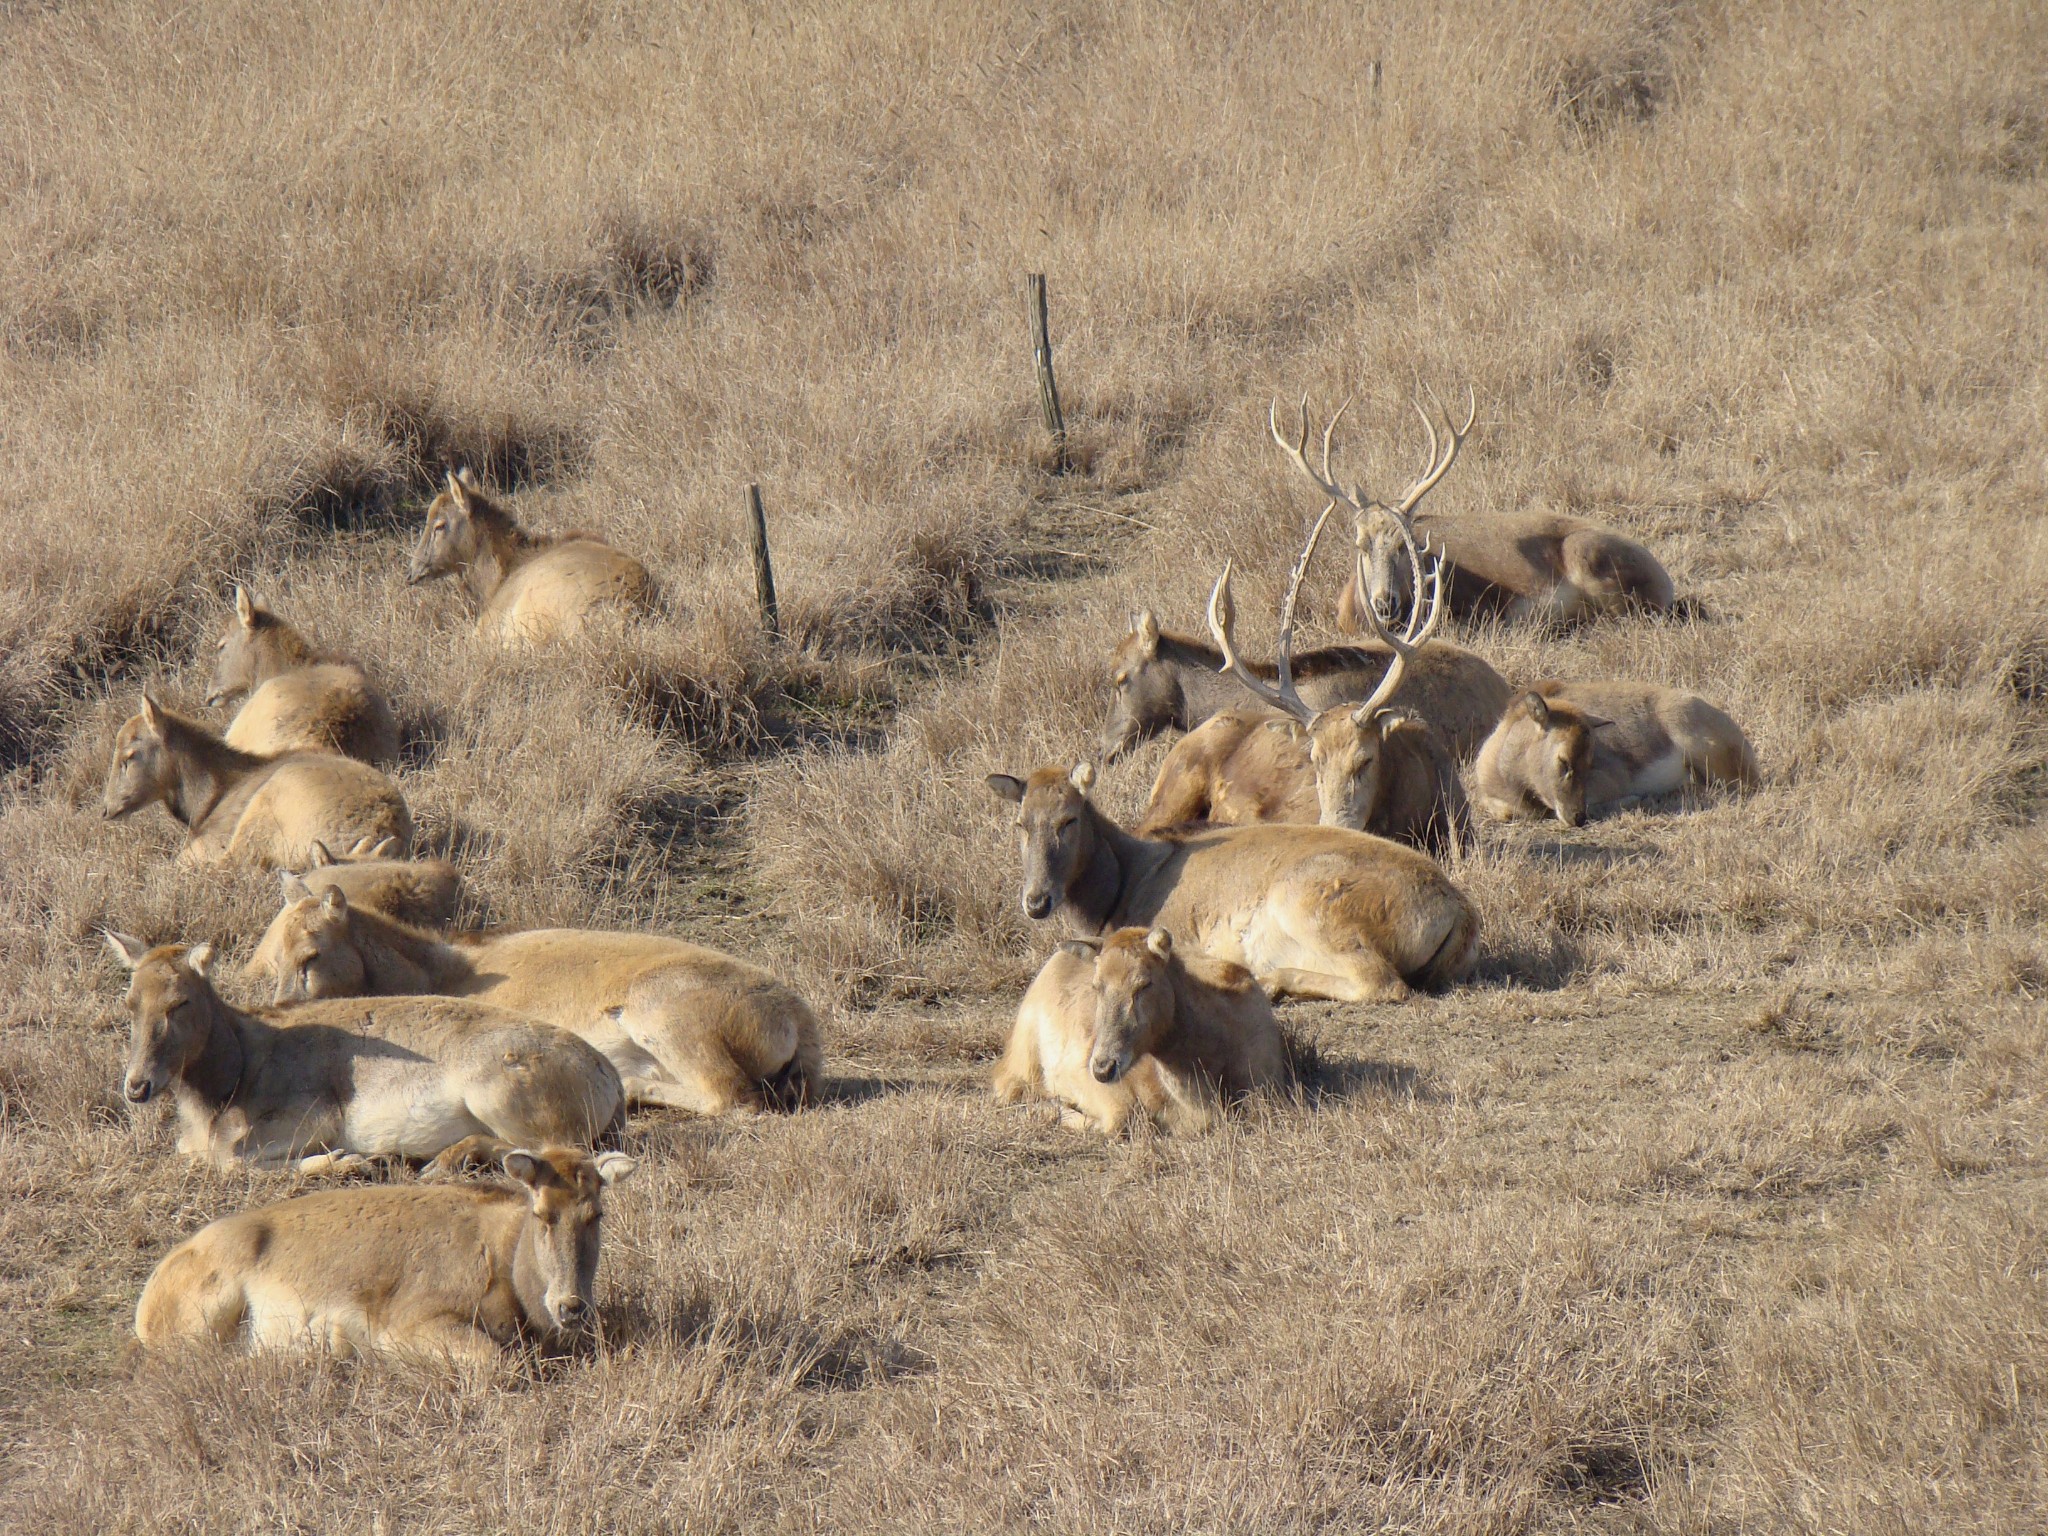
322	855
333	903
1160	942
200	958
1006	785
386	848
1082	949
1083	777
1146	627
615	1167
1534	707
468	478
152	712
1593	722
245	606
128	949
524	1166
293	888
458	494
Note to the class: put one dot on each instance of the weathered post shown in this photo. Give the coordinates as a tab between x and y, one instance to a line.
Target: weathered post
1048	391
764	573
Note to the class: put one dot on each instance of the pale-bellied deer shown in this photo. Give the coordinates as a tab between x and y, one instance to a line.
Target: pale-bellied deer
1314	911
1523	566
446	1276
268	811
1375	769
301	699
325	1085
1574	750
686	1026
1131	1024
527	586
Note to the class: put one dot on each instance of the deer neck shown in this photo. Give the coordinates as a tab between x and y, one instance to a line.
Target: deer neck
1095	896
502	547
203	769
1205	689
402	960
281	649
209	1082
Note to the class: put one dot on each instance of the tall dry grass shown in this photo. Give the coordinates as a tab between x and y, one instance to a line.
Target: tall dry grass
1712	1204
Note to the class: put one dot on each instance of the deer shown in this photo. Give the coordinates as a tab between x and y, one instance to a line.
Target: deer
527	587
323	1087
238	806
423	892
1128	1026
1538	567
1161	681
1576	750
1374	769
300	698
450	1276
1310	911
686	1027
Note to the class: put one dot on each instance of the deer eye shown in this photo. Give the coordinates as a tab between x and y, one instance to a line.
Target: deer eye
1063	828
1120	680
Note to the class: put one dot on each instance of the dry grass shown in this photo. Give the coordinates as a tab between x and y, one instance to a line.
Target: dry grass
1715	1203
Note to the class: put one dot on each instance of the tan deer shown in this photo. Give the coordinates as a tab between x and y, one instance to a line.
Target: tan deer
1128	1025
1374	769
267	811
301	699
686	1026
1313	911
527	586
321	1087
1574	750
439	1276
420	891
1538	566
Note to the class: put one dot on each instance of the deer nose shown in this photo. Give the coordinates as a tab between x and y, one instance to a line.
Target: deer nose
1037	904
137	1091
1105	1069
572	1310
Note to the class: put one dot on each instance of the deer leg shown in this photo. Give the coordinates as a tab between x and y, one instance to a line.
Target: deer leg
482	1150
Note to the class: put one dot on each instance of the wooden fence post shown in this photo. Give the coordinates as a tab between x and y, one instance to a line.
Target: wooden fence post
764	573
1048	391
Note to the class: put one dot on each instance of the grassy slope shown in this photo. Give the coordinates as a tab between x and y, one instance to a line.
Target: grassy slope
1715	1203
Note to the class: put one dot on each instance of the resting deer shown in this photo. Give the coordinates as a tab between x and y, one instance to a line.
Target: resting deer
1574	750
268	811
447	1276
1129	1024
686	1026
370	874
1313	911
326	1085
300	699
1522	566
1374	769
527	586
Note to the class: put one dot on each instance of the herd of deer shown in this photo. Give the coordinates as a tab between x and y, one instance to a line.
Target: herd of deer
1289	848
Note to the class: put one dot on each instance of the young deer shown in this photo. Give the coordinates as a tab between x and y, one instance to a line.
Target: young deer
300	699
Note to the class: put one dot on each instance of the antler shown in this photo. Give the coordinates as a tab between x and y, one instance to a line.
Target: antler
1412	497
1281	693
1422	619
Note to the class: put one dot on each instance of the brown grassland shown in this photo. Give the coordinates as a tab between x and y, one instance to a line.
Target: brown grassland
1713	1202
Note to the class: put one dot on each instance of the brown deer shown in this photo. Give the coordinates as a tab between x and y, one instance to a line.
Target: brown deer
1129	1025
527	586
267	811
1312	911
1574	750
446	1276
324	1086
1536	566
419	891
687	1027
301	699
1375	769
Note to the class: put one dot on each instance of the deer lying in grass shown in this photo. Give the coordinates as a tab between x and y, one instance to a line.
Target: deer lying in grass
370	874
300	699
686	1026
1161	681
321	1087
1129	1025
1522	566
1574	750
1313	911
527	586
1373	769
447	1276
267	811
